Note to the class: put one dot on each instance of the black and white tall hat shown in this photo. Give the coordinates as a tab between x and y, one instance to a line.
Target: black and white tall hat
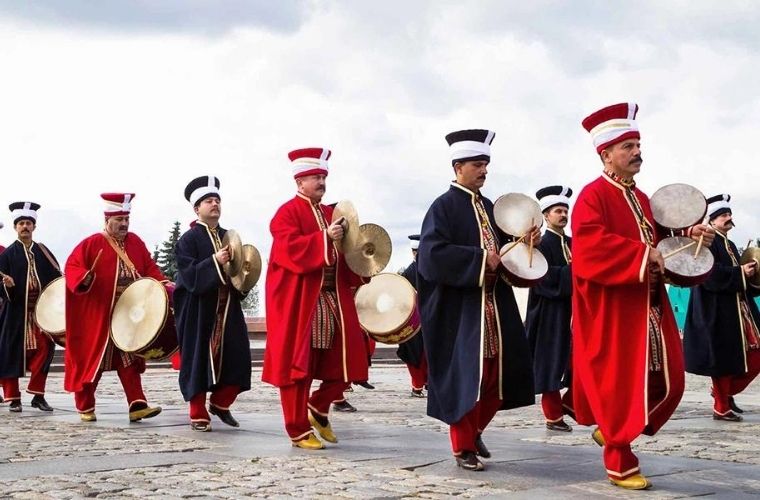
718	205
470	145
414	241
24	210
554	195
201	188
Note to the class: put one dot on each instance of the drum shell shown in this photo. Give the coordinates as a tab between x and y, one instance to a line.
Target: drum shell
164	343
516	269
674	272
47	311
400	321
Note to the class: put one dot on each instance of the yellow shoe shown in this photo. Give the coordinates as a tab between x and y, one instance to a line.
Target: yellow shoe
324	430
598	438
148	412
88	417
635	482
311	442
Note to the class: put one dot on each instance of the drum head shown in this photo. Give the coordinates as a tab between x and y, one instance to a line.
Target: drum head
683	264
516	213
139	314
385	303
50	311
678	206
517	262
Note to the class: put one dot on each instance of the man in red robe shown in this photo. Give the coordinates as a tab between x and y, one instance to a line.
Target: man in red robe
97	272
628	373
313	330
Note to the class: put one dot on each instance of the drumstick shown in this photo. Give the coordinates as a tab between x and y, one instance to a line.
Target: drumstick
701	238
530	250
514	244
679	249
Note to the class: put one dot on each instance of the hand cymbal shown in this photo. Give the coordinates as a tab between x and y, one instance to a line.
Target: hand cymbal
372	253
250	270
350	239
749	255
232	241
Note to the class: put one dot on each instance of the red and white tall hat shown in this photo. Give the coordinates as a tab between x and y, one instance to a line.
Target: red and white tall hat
117	203
309	161
612	124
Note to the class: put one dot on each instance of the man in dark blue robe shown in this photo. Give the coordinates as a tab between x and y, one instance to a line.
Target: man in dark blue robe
547	321
477	352
26	267
721	338
412	352
214	348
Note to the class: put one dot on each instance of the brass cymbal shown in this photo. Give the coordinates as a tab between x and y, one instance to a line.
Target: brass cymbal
750	254
372	253
350	240
231	240
515	213
250	271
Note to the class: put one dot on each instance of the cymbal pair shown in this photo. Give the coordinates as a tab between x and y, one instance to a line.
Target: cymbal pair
366	247
244	266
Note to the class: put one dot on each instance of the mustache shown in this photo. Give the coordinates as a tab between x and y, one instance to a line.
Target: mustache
563	219
482	178
636	159
123	228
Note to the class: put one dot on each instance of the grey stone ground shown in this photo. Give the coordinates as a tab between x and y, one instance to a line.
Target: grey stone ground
389	449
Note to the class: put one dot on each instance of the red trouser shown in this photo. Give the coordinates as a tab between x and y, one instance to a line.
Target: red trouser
419	374
552	404
296	401
35	364
731	385
130	381
619	460
464	432
222	397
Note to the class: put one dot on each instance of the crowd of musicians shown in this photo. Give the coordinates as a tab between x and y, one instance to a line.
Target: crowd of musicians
598	326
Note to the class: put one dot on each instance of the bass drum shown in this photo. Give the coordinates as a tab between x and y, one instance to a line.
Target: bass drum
50	311
142	321
387	309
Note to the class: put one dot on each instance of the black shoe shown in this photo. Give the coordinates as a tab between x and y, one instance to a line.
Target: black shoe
224	415
480	447
732	405
728	417
469	461
1	400
38	401
366	385
15	406
560	425
344	406
417	393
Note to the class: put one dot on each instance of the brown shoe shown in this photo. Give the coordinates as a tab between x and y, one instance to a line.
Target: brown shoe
635	482
201	426
559	425
598	437
728	417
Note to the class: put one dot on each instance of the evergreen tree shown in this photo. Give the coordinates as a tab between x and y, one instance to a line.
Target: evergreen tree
166	257
155	255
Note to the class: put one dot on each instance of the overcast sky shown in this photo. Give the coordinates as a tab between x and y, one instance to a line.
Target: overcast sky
144	96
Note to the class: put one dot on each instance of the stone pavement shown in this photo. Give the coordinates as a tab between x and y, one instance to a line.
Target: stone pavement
388	449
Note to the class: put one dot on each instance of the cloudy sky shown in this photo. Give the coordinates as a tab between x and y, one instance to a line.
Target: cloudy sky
144	96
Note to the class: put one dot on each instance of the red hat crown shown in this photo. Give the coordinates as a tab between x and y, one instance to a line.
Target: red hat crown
309	161
117	203
612	124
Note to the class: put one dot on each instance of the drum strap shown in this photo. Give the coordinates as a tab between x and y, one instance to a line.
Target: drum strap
49	257
122	255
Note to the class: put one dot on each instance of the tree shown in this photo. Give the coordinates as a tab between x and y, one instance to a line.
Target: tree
165	256
251	303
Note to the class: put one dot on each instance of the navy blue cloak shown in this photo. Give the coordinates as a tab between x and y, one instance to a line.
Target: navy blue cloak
547	320
451	269
713	340
412	351
14	262
199	282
